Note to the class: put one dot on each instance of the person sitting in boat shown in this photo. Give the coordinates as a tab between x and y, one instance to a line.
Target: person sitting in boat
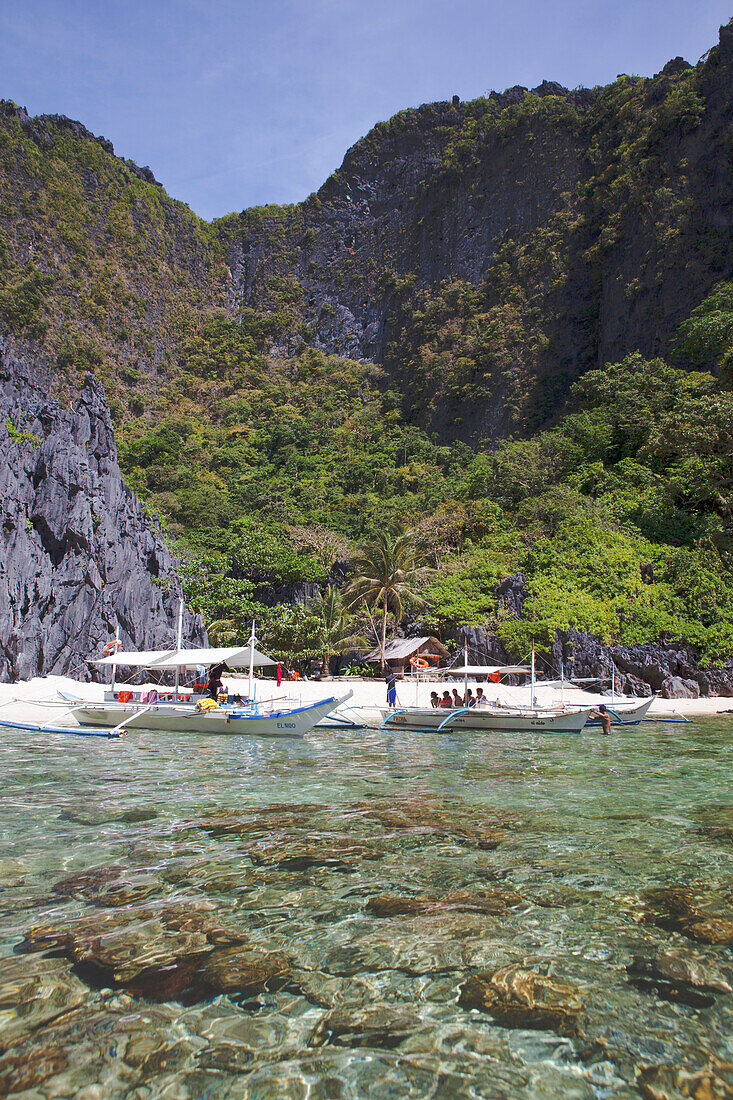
457	699
434	699
215	674
470	700
446	701
481	700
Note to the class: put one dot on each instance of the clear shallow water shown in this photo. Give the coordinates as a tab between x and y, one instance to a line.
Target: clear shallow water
153	856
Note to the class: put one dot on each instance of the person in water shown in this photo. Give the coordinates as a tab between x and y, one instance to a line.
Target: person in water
391	681
605	718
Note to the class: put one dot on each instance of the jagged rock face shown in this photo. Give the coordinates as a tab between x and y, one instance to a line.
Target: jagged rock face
79	554
671	668
408	203
297	592
390	208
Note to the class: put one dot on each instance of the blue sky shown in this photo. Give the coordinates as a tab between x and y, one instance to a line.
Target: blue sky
238	102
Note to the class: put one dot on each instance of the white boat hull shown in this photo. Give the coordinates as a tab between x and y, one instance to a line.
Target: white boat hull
625	714
169	718
487	719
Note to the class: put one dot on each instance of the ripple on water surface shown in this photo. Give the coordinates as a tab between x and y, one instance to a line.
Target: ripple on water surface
362	915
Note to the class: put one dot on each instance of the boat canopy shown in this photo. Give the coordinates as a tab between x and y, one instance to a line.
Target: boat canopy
234	656
146	658
569	685
486	670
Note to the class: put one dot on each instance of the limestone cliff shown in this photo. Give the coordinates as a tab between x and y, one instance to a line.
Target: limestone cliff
78	553
488	253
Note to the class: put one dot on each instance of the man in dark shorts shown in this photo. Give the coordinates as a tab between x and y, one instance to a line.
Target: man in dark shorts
391	681
215	687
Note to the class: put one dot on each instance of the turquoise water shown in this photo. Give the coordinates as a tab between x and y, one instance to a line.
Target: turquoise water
196	917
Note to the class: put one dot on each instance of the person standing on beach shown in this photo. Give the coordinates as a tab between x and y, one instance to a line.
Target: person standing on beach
391	681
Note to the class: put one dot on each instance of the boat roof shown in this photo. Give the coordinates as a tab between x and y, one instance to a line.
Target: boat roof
234	656
485	670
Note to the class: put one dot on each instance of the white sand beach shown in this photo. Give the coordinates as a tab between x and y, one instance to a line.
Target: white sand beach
39	700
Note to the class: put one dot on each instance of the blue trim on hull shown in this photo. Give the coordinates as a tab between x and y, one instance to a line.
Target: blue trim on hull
257	716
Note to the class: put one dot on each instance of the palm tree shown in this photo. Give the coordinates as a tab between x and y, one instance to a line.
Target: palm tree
338	627
387	570
221	631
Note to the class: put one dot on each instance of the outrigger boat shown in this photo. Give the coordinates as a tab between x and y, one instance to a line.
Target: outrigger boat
488	718
496	715
187	711
491	716
626	710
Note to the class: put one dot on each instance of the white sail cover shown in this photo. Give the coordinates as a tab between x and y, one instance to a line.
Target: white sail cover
234	656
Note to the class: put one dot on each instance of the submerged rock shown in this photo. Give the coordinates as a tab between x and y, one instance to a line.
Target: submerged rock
520	998
689	968
108	887
717	832
698	911
491	902
159	954
33	993
22	1071
383	1026
674	1082
334	853
87	883
678	977
117	957
276	817
235	971
712	930
554	897
469	824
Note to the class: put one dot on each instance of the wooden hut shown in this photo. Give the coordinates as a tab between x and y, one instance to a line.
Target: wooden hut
397	654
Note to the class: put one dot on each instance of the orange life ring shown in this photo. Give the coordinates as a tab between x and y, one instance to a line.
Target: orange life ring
419	662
